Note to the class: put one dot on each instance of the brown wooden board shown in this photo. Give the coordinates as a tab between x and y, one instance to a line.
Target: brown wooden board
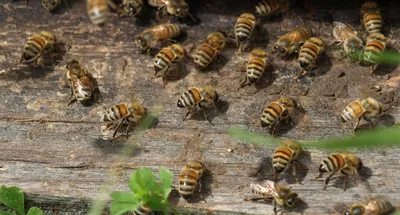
55	153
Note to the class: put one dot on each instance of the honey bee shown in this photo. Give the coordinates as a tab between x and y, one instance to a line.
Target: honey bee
150	38
290	42
125	113
51	5
174	53
255	67
190	177
132	7
373	206
177	8
348	37
80	83
268	8
277	111
210	49
244	27
281	195
362	109
309	53
376	43
345	163
198	98
285	154
142	210
371	17
36	47
99	12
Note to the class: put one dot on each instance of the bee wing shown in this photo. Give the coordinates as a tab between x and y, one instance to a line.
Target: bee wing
270	188
85	86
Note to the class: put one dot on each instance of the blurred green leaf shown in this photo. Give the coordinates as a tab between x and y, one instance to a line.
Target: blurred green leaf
35	211
5	213
390	57
124	202
142	181
252	137
166	181
13	197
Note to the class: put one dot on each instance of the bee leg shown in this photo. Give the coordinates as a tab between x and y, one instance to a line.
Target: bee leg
115	7
356	126
273	130
301	73
243	84
275	176
72	101
294	172
127	130
318	176
327	180
373	67
346	178
118	126
164	78
206	116
187	113
275	210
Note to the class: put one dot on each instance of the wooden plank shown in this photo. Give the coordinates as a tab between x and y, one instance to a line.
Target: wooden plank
55	153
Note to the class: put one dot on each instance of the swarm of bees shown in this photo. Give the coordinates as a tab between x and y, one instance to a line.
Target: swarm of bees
301	41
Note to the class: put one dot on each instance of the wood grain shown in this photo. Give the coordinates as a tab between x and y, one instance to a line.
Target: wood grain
55	153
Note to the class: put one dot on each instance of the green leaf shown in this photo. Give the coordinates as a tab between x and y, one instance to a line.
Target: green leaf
166	181
142	181
252	137
13	197
5	213
35	211
124	202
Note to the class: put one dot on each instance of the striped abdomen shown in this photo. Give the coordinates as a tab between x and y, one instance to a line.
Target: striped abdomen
167	31
187	182
244	27
190	98
332	163
132	7
83	88
266	8
282	157
272	114
372	22
376	44
163	59
352	111
310	51
378	206
33	49
255	69
116	113
98	11
142	210
205	55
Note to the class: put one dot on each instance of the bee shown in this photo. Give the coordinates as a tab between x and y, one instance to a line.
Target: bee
268	8
345	163
287	153
125	113
244	27
36	47
177	8
281	195
373	206
348	37
376	43
174	53
309	53
132	7
362	109
255	67
210	49
290	42
80	83
190	177
198	98
371	17
150	38
142	210
277	111
99	12
51	5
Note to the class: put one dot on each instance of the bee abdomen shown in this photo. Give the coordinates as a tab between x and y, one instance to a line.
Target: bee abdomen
244	27
115	113
98	12
376	43
156	3
163	59
373	22
282	157
174	30
33	49
266	7
310	51
255	69
352	111
271	114
384	205
187	182
332	163
204	56
189	98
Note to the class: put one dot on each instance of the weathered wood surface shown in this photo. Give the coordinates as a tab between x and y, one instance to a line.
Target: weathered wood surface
56	153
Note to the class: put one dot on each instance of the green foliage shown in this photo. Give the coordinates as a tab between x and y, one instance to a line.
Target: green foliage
146	191
375	138
13	197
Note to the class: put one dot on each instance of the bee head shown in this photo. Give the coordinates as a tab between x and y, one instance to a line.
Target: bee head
182	11
292	200
141	43
131	10
49	5
279	50
355	211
